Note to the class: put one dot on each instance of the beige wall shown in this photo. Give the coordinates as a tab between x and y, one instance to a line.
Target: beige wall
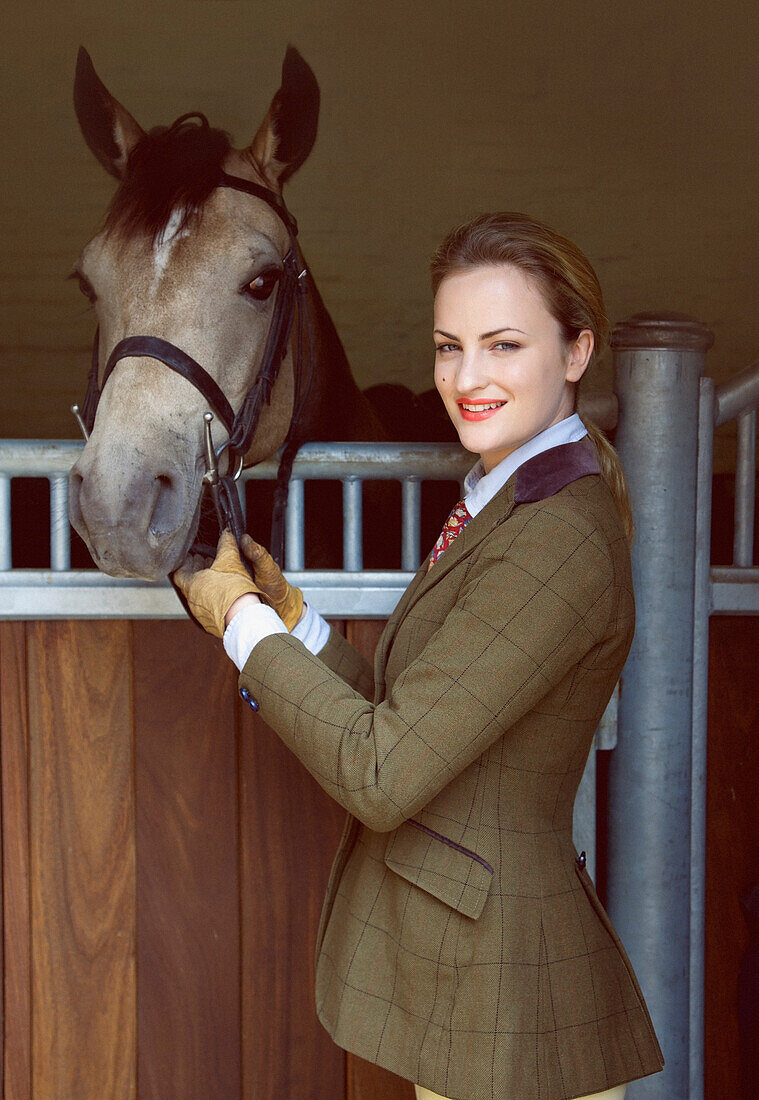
631	128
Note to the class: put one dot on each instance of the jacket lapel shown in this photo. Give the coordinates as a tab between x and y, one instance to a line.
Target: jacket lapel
536	479
494	512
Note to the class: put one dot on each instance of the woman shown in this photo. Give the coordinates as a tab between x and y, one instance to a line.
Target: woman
461	942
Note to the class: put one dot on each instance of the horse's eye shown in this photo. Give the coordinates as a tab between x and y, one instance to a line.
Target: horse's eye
85	286
263	285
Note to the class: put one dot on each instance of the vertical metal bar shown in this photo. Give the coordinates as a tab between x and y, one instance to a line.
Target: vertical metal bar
658	364
584	820
6	558
606	734
352	543
701	611
60	534
295	556
745	488
411	523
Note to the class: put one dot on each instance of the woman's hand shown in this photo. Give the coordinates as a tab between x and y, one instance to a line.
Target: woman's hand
211	590
286	600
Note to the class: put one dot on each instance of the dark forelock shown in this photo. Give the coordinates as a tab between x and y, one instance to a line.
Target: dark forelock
170	167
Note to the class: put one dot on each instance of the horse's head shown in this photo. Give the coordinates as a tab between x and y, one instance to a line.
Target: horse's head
195	264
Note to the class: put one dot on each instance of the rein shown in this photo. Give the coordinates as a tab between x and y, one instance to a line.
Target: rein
240	426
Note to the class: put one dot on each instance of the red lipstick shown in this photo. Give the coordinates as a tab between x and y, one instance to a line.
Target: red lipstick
489	408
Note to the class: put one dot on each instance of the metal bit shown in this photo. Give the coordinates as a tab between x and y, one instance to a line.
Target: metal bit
77	413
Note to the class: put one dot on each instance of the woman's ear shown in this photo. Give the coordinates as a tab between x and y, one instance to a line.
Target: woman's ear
579	355
287	134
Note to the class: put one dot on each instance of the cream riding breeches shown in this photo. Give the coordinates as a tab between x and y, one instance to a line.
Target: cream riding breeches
617	1093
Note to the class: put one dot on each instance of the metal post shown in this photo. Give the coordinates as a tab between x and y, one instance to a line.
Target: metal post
411	523
295	549
585	821
60	533
352	516
6	556
584	815
745	486
658	363
701	611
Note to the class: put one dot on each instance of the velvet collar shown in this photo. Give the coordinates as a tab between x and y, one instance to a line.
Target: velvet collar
551	470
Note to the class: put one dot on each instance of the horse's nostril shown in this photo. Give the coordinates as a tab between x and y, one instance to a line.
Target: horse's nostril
167	510
75	482
75	508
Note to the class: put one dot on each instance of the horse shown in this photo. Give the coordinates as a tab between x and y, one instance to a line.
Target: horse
198	264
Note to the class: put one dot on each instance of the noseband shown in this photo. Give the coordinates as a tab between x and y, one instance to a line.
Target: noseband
240	426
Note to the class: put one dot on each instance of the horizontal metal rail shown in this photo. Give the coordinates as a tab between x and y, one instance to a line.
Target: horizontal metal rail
62	593
90	594
734	591
740	394
326	461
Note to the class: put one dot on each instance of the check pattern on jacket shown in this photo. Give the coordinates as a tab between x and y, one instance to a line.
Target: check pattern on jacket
461	943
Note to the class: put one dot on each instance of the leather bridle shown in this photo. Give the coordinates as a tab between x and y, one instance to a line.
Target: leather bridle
240	426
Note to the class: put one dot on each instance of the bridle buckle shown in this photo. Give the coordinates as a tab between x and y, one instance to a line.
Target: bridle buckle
211	477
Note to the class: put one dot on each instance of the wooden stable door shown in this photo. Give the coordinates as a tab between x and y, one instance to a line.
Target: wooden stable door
164	863
164	860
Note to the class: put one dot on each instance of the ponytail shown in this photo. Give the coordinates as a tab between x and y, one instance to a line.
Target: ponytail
613	475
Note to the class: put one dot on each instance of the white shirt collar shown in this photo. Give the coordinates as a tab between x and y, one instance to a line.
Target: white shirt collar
480	488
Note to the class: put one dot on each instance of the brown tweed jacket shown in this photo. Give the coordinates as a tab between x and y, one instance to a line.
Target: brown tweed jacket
462	944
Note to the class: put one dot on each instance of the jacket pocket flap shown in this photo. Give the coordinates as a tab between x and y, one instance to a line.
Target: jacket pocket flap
445	869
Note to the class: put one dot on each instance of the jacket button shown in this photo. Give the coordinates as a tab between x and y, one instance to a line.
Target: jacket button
581	861
249	699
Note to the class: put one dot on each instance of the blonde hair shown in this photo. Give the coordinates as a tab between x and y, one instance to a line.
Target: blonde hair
570	289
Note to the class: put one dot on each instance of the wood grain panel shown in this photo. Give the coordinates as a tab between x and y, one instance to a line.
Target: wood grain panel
187	864
364	635
369	1082
366	1081
14	758
69	876
290	830
732	866
82	860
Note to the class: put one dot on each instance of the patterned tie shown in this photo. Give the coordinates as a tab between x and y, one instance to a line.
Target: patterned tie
455	523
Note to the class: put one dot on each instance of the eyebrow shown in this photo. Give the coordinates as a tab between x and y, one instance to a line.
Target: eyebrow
484	335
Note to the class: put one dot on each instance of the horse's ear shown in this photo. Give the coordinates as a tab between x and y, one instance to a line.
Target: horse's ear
108	128
288	132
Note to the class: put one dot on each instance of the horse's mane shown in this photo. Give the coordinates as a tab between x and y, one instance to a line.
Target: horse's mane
171	167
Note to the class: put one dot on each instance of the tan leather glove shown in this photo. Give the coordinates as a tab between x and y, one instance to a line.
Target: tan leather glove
211	591
285	598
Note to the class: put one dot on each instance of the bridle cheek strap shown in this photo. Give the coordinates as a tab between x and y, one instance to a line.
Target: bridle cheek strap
259	394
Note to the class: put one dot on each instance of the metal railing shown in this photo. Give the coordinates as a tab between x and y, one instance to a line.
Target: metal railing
668	412
718	590
735	588
351	592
